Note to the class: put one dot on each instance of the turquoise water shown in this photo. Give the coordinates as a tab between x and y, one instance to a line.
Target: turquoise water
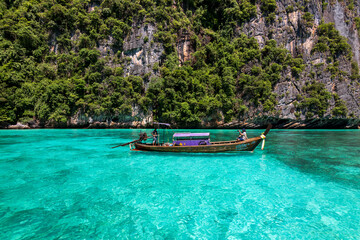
70	184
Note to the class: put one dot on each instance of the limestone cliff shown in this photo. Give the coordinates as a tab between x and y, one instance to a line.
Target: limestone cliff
294	25
140	51
290	30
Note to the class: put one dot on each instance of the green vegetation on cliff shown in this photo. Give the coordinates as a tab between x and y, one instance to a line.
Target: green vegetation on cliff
51	66
331	40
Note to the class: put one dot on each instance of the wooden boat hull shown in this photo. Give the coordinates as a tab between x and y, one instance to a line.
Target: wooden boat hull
228	146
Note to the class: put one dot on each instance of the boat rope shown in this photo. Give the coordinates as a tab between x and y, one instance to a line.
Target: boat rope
263	141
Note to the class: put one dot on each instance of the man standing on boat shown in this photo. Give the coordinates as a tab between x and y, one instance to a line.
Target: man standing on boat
155	136
242	135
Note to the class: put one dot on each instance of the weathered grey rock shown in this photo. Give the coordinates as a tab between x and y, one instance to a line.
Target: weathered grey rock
280	123
18	125
345	24
290	31
141	51
137	119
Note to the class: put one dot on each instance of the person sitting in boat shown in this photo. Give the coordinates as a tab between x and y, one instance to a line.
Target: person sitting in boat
242	135
155	136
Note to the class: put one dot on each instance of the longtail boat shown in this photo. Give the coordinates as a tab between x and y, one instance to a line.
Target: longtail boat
198	143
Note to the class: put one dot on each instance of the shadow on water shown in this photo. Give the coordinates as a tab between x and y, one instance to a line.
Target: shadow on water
334	154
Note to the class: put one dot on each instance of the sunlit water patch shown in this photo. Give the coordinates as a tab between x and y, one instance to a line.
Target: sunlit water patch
70	184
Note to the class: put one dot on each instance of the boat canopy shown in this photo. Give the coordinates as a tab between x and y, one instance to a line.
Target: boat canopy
189	135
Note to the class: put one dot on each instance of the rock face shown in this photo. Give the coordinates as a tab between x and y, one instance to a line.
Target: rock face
18	126
281	123
290	31
141	51
136	120
338	14
184	47
142	54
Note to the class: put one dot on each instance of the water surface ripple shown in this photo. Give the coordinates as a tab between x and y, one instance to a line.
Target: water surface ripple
70	184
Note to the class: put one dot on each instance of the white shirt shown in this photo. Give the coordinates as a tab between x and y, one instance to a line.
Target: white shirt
245	135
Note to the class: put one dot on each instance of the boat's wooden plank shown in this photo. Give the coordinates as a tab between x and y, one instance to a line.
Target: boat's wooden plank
239	146
219	146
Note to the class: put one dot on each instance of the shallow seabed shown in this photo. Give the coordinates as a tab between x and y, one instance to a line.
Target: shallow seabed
70	184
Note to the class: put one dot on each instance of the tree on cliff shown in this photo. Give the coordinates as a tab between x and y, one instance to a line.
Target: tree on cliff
60	57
